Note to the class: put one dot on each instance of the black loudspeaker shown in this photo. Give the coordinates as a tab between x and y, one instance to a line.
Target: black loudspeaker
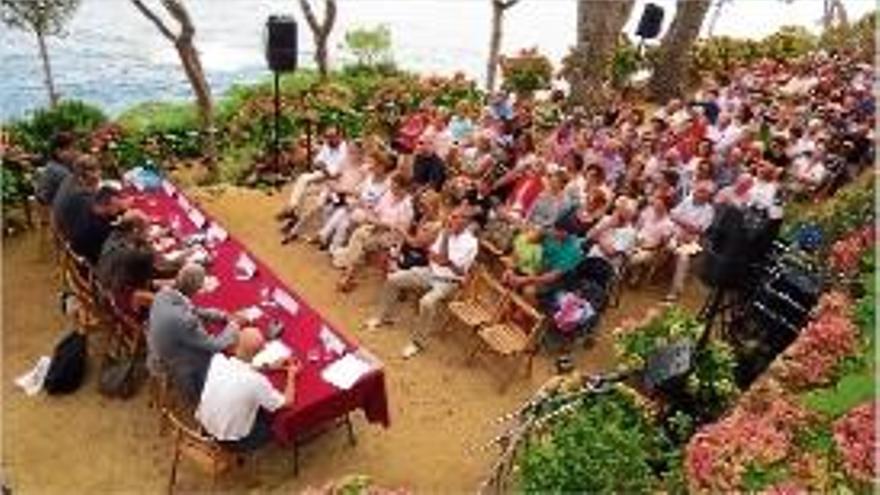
280	42
651	21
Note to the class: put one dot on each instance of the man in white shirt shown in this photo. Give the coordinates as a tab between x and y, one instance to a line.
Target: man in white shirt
328	165
451	256
691	217
237	399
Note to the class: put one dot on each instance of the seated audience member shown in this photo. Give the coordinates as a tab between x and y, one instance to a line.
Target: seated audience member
738	194
328	165
417	240
550	205
451	257
691	218
808	172
766	187
614	237
58	167
526	256
413	127
335	229
579	221
382	227
337	192
237	400
428	169
561	254
177	341
654	231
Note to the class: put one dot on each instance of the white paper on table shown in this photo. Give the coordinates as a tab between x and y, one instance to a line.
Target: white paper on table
272	352
332	343
346	371
216	233
111	184
285	300
168	187
251	313
32	381
245	268
198	256
184	203
196	217
174	256
211	284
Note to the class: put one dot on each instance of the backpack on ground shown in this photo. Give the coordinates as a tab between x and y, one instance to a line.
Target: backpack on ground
68	367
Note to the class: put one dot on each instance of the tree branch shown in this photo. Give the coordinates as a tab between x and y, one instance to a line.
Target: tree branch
149	14
180	14
310	15
329	17
507	4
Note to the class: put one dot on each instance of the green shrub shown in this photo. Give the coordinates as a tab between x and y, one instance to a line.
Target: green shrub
35	133
606	445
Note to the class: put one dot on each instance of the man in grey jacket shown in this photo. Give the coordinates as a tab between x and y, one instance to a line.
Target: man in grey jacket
177	342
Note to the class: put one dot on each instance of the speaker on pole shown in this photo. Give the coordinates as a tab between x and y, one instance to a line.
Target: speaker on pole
651	21
281	49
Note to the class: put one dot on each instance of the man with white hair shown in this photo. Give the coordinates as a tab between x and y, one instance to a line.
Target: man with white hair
177	342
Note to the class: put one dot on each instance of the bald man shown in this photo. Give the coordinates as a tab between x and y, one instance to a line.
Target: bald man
177	342
237	399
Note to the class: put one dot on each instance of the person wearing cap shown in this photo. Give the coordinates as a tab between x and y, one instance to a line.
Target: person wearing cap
237	400
691	218
177	341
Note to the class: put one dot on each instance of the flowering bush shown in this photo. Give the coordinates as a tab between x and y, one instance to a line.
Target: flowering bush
757	434
526	72
856	441
826	340
846	253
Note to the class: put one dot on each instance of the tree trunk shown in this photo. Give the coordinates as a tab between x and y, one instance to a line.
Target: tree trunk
494	45
834	10
192	66
599	23
321	54
47	71
672	66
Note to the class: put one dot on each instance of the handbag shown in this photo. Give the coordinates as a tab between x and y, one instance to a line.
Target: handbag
120	377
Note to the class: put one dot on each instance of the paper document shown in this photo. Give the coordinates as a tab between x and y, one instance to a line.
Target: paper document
285	300
245	268
32	381
251	313
346	371
332	343
197	218
216	233
271	353
168	187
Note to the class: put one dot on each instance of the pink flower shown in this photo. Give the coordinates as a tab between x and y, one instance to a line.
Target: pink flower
856	441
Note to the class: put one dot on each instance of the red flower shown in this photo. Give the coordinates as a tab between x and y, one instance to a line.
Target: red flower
856	440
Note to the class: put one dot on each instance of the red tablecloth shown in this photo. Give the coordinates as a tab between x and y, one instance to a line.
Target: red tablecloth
316	400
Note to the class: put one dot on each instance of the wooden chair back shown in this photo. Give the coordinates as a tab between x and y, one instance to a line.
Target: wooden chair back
519	314
201	449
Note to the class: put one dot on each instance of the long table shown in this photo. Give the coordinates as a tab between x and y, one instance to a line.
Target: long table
317	401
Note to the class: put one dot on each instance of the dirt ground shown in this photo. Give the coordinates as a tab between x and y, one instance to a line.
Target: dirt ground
442	411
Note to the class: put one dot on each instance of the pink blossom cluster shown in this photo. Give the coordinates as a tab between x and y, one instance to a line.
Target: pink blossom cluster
846	253
717	455
827	339
856	441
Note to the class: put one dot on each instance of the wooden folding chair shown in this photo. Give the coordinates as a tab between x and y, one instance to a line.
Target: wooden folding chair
479	300
517	332
79	278
202	449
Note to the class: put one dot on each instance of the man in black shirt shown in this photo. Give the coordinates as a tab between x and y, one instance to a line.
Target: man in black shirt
428	168
95	223
57	169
